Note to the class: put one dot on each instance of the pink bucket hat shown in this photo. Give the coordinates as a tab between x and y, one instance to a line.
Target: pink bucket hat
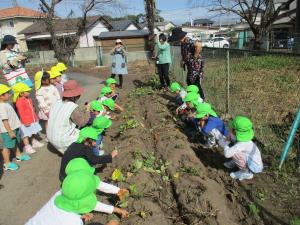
72	89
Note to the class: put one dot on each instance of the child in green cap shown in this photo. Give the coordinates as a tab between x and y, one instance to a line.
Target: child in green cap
111	82
188	108
96	110
180	92
109	106
83	148
105	93
73	204
211	126
101	123
244	153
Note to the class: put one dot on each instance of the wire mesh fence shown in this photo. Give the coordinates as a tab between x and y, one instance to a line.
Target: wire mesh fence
260	85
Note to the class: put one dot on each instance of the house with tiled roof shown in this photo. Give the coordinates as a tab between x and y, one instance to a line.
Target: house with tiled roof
122	25
38	38
15	19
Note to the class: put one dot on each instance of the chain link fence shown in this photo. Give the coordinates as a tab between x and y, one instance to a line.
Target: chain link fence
260	85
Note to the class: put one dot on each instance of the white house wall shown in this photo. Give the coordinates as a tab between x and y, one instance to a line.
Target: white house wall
132	27
87	40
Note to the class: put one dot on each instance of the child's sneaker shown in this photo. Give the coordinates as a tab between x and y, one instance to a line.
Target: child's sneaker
37	144
29	150
11	166
242	175
23	157
230	164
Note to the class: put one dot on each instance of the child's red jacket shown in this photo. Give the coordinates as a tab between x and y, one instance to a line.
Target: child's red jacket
26	111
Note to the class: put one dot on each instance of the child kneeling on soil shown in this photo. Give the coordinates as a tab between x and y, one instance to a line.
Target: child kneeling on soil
189	106
100	124
180	92
9	129
111	82
96	110
105	94
73	204
244	153
30	123
83	148
110	105
211	126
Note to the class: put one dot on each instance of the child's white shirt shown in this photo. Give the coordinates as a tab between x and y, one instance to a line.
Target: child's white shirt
184	106
50	214
182	94
251	151
102	98
219	137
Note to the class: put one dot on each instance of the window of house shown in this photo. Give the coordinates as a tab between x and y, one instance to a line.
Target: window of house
285	6
10	23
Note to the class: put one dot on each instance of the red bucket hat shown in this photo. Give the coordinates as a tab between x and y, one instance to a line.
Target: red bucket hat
72	89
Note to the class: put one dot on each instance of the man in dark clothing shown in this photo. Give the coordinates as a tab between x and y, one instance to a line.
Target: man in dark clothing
83	148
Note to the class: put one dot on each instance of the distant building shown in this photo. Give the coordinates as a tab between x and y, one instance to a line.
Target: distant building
202	23
38	38
15	19
159	27
133	40
121	25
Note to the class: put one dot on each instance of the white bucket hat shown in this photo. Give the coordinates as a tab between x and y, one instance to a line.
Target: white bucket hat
118	41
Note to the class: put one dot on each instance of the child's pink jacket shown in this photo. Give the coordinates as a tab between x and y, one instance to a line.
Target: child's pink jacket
26	111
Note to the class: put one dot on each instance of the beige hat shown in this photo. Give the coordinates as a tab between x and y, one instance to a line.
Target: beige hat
118	41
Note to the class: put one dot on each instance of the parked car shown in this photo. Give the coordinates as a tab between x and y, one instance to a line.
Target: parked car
217	42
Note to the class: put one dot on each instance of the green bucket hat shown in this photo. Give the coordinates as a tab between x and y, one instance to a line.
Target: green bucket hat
203	109
100	123
87	132
78	164
193	98
105	90
97	106
192	88
175	86
78	193
110	81
243	128
110	103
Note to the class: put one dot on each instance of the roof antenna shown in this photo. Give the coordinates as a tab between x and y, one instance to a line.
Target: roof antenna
14	3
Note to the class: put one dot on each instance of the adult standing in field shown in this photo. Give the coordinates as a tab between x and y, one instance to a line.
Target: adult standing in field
163	61
66	117
119	62
190	57
12	63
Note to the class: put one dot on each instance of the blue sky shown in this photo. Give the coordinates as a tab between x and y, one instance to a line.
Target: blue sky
178	11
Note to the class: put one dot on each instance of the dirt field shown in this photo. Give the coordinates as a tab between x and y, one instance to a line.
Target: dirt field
172	179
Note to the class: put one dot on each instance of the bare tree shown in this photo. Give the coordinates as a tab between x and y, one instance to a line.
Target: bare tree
259	14
150	10
63	51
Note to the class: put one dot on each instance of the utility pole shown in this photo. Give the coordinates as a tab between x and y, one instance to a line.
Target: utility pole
14	3
296	46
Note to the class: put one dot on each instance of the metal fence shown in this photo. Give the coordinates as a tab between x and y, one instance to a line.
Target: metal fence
260	85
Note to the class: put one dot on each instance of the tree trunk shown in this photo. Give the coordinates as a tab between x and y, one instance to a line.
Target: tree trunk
150	19
296	47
